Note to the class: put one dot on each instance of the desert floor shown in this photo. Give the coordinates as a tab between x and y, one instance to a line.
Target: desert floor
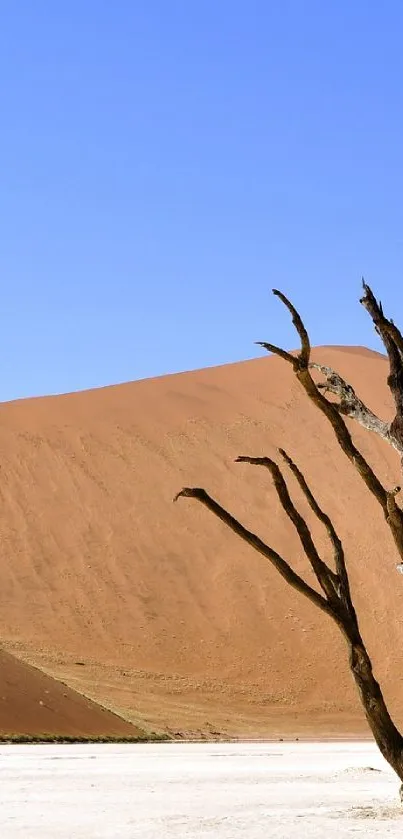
225	791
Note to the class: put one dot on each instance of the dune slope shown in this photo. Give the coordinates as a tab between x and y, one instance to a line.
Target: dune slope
177	623
34	704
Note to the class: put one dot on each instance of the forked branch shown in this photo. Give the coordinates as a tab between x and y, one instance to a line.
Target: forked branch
338	550
305	351
327	579
302	359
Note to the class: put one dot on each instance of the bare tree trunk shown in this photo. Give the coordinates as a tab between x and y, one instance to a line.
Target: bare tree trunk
387	737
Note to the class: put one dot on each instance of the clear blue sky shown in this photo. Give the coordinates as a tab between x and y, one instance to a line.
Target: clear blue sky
164	163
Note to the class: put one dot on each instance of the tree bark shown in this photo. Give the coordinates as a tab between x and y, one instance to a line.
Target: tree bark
387	737
351	406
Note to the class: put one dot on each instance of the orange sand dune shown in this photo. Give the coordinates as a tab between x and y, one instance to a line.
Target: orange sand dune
34	704
180	625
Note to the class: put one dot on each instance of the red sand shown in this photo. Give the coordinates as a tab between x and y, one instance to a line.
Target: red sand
178	623
34	704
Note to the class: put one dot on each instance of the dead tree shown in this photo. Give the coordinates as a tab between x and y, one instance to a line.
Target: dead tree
334	595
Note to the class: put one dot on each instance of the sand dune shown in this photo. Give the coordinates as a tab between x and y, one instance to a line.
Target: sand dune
177	623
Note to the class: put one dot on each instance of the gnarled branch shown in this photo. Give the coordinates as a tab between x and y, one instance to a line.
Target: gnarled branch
350	405
385	328
392	340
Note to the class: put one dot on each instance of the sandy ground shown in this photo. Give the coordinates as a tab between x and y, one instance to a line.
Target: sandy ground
220	791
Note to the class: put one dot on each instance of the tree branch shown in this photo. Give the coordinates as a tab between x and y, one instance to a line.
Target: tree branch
286	356
327	579
393	342
338	550
383	325
305	352
352	406
279	563
302	359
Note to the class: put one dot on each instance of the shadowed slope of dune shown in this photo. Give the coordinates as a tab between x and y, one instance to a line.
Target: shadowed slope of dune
177	622
35	705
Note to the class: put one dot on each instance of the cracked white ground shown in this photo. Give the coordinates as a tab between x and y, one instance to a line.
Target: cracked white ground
221	791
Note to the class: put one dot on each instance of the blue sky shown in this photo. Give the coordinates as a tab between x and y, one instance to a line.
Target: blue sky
165	163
